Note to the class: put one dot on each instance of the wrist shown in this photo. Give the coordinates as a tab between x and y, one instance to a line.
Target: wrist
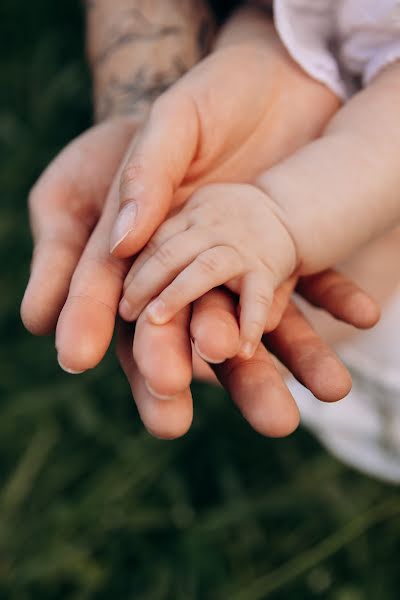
271	189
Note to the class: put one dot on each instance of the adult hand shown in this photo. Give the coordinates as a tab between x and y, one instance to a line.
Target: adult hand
64	209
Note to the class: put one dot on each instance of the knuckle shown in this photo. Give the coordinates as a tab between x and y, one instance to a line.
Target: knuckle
254	324
164	255
151	247
262	297
97	265
210	261
131	173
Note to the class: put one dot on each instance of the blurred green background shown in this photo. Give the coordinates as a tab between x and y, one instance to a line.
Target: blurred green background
90	505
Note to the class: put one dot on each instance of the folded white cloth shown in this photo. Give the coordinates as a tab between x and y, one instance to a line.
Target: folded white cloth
342	43
363	430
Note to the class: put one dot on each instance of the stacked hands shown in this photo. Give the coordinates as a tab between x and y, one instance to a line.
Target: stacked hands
157	191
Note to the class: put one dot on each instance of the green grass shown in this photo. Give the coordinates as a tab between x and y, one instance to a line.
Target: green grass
90	505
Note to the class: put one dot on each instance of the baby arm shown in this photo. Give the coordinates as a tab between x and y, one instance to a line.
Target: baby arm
251	241
342	190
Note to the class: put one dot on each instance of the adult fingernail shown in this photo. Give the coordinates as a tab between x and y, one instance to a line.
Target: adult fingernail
67	370
125	310
155	394
206	358
156	312
124	224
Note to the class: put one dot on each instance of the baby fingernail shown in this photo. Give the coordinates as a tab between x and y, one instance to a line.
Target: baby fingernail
246	350
125	310
156	312
124	224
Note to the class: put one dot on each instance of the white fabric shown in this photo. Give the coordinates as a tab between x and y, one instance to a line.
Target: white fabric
342	43
364	428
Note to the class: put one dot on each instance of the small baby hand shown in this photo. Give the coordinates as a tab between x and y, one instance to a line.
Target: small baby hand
225	235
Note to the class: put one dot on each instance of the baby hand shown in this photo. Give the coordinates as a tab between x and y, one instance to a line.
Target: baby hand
227	234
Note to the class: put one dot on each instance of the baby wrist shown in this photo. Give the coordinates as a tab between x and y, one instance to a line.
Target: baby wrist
293	243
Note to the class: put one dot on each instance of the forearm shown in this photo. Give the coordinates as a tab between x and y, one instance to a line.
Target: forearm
138	48
343	190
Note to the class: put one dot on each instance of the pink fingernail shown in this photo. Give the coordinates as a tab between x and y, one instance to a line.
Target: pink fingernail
67	370
156	312
124	224
125	310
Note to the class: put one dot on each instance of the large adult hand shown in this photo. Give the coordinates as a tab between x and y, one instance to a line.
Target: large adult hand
65	204
162	357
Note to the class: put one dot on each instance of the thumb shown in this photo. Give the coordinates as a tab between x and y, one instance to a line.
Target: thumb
156	166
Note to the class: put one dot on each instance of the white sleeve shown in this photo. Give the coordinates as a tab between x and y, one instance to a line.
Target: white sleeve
306	27
369	36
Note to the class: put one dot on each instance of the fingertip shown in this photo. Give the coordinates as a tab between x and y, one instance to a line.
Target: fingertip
155	394
165	381
66	369
215	338
36	318
363	311
278	424
156	312
330	382
209	359
274	412
83	335
261	395
247	350
125	310
165	365
167	420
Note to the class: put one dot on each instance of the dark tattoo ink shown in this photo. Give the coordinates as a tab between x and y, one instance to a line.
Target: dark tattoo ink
135	96
142	30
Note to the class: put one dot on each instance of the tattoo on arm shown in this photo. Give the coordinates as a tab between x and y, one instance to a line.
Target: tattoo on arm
139	30
135	95
138	49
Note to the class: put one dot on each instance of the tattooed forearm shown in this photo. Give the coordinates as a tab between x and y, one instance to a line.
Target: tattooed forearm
135	95
138	48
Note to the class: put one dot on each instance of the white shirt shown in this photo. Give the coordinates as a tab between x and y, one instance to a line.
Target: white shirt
342	43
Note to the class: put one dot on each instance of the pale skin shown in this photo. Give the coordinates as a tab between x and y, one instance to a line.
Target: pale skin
319	205
64	211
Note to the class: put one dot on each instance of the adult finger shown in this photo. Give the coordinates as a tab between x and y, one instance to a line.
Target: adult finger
64	206
163	354
260	393
86	323
214	326
156	166
308	357
341	297
166	419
